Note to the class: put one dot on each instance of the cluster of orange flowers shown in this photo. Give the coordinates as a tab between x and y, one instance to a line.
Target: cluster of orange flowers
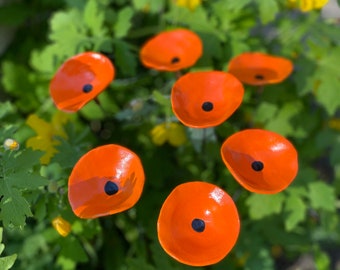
198	223
261	161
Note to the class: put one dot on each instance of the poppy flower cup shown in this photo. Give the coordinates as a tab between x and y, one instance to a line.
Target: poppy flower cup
206	99
261	161
106	180
80	79
259	68
198	224
172	50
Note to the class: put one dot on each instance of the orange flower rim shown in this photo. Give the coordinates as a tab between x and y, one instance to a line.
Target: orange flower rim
198	224
259	68
261	161
172	50
80	79
206	99
106	180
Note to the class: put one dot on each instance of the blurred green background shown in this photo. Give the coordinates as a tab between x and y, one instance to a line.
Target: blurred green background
295	228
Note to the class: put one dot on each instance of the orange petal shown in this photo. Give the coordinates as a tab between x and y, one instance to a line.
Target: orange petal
80	79
259	68
172	50
106	180
261	161
206	99
198	224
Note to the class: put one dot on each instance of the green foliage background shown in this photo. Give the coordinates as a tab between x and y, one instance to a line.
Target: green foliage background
276	229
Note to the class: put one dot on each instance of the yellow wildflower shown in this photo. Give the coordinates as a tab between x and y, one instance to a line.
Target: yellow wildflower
190	4
10	144
46	132
62	226
307	5
172	132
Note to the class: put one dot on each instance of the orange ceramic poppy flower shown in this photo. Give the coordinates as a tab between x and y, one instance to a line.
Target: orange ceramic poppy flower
172	50
106	180
198	224
259	68
206	98
80	79
261	161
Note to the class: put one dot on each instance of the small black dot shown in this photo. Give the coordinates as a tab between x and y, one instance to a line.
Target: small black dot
111	188
259	77
198	225
257	166
207	106
174	60
87	88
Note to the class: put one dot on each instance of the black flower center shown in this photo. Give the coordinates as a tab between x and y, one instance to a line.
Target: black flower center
257	166
111	188
174	60
87	88
259	77
198	225
207	106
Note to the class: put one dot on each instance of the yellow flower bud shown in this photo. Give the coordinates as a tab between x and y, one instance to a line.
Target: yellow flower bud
307	5
176	134
10	144
190	4
159	134
62	226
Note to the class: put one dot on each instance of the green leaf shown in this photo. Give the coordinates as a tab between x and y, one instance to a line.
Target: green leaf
6	108
238	42
94	18
327	81
70	150
17	175
92	111
322	196
212	50
232	5
268	10
123	23
69	32
322	260
8	261
138	263
14	208
16	81
261	205
46	60
72	249
327	93
296	209
265	111
282	122
124	58
303	76
160	98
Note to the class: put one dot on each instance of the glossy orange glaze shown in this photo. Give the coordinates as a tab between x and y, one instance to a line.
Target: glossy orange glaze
203	202
86	185
67	85
259	69
172	50
206	98
278	157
